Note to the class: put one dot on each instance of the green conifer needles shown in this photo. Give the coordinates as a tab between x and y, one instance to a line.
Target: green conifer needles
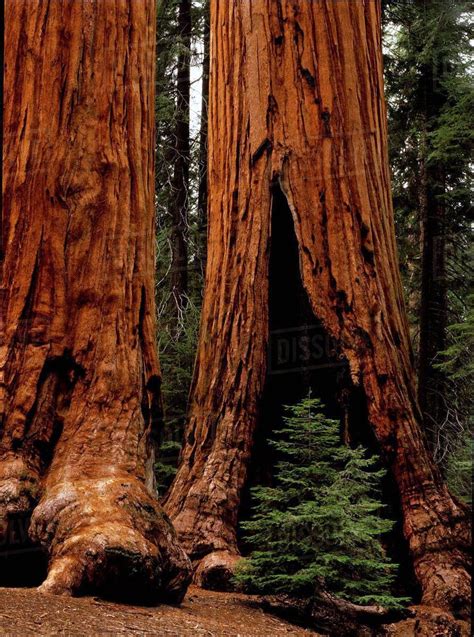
319	527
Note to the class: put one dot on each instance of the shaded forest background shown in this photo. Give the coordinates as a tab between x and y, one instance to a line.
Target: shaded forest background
428	84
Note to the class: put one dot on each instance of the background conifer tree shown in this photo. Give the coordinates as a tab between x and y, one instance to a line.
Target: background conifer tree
181	144
428	69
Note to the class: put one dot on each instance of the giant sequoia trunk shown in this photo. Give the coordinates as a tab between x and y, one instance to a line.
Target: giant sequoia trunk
80	376
297	118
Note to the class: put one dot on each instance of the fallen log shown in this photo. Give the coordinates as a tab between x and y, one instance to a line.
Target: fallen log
332	615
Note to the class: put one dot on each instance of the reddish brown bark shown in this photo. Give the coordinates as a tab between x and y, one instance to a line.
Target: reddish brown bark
297	100
81	379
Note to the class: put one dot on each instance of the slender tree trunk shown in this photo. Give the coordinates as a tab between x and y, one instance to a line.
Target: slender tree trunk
297	108
434	299
80	371
203	138
180	185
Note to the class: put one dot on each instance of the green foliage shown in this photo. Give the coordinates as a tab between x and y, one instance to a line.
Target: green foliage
457	361
165	103
177	348
428	69
430	90
169	46
177	322
320	525
165	468
459	469
458	358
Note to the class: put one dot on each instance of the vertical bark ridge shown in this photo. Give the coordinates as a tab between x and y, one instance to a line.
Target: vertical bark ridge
78	352
297	97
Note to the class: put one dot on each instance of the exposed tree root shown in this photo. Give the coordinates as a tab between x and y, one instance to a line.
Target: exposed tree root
215	571
19	486
439	535
446	582
427	622
109	537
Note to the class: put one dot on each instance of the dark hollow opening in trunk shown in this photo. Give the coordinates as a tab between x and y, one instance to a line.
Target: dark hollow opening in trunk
22	563
302	357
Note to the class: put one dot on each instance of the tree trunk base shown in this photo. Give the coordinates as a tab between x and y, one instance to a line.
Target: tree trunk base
440	543
338	618
426	622
18	488
109	537
22	563
216	570
210	543
446	582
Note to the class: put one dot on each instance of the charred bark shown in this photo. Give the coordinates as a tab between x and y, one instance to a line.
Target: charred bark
81	379
297	99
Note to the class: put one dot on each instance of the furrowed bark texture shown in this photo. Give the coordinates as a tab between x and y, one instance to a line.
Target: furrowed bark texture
81	379
296	99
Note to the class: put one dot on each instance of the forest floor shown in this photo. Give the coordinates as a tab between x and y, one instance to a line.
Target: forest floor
25	612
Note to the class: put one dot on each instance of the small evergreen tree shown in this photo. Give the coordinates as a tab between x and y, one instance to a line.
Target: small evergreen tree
319	527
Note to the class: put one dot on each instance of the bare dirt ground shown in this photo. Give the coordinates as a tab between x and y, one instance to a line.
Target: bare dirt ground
25	612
